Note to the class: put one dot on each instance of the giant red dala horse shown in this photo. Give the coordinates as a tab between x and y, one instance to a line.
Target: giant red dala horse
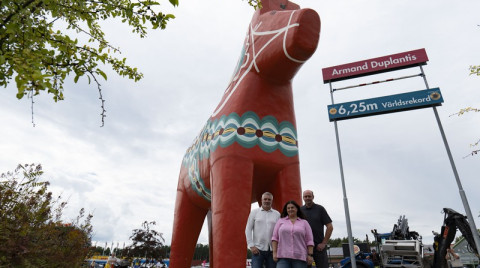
249	144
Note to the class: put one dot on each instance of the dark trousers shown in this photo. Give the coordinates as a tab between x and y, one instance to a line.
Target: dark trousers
264	257
320	258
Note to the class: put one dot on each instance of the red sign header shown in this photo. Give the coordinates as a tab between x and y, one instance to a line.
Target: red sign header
374	66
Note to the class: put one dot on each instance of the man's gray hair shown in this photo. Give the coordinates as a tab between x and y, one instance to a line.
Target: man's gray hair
268	193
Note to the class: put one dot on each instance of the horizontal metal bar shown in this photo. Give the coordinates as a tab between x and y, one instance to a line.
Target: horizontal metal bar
378	82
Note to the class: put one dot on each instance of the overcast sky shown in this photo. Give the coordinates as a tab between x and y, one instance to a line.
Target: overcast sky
126	172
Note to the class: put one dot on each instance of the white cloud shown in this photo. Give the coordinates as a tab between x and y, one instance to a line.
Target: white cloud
126	172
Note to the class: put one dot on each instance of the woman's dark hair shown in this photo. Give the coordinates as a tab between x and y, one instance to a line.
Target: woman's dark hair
299	211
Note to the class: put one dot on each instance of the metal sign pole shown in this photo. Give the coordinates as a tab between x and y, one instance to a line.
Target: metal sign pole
471	222
345	199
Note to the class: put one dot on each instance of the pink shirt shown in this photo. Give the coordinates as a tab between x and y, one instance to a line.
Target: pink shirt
292	239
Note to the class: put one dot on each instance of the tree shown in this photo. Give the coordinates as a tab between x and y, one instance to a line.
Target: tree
165	249
201	252
146	242
337	242
474	69
31	231
44	41
97	250
475	144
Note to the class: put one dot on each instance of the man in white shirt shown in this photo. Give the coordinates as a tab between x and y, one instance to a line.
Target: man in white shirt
259	232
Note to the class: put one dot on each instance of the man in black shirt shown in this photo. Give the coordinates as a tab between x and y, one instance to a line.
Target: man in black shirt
318	217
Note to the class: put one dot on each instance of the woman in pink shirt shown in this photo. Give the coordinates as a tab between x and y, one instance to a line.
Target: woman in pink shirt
292	239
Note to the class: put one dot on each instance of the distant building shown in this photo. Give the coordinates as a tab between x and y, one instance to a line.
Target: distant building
335	255
468	258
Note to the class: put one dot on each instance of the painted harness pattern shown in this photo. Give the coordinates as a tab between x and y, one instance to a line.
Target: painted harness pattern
245	56
248	131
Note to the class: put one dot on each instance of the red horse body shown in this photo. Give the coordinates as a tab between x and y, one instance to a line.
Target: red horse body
249	144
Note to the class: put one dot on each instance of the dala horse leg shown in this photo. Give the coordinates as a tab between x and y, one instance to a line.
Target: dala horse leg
210	238
231	196
188	221
287	187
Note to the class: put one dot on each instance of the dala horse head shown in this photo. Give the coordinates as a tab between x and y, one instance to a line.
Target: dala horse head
249	144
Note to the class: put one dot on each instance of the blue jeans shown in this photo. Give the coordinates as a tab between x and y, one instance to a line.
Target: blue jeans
261	258
291	263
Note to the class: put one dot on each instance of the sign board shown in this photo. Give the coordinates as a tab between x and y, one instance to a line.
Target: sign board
374	66
387	104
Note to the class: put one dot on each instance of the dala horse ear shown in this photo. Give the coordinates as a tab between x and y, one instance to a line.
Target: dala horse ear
269	5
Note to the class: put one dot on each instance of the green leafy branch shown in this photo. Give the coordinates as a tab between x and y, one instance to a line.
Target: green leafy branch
38	54
256	4
40	41
475	69
462	112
